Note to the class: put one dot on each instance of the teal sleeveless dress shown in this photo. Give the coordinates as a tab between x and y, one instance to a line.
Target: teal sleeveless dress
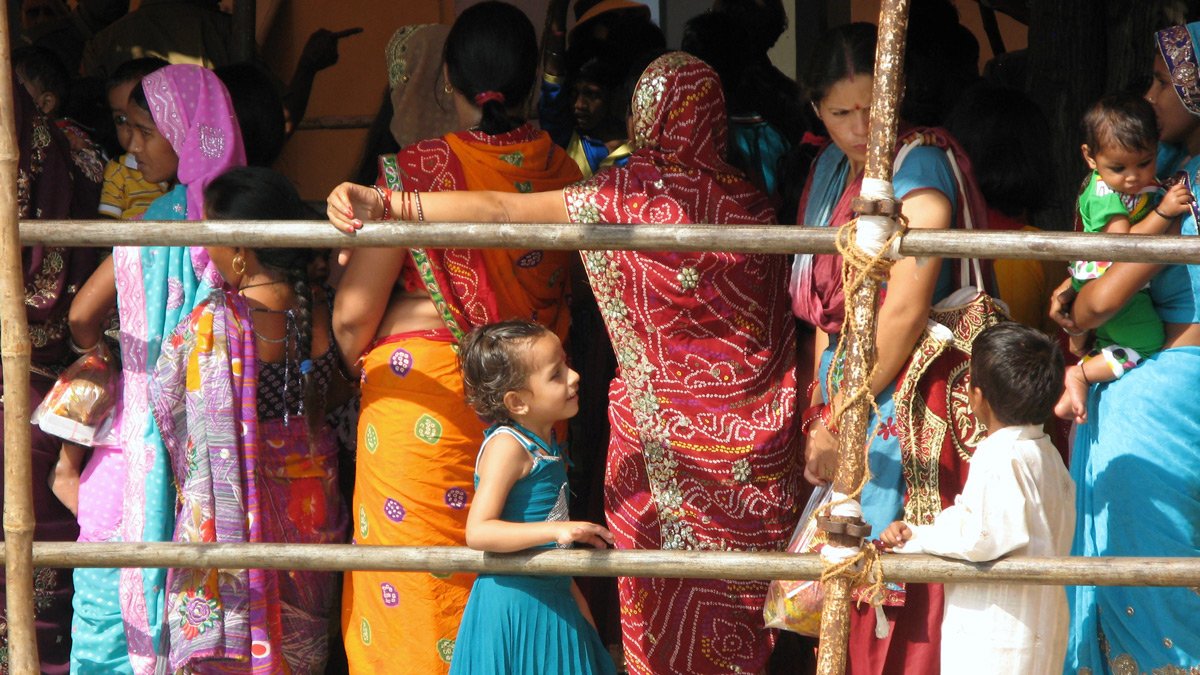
518	624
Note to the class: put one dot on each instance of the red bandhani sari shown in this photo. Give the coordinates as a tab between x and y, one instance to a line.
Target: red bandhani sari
704	452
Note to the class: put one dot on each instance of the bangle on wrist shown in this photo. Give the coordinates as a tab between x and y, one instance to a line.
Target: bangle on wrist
827	419
1163	215
385	196
810	415
81	350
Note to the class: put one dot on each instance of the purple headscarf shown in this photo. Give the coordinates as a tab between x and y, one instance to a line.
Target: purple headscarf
194	113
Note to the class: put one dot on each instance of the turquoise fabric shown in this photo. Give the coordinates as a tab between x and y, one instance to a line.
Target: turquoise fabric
757	148
171	290
517	624
1176	288
1136	466
924	168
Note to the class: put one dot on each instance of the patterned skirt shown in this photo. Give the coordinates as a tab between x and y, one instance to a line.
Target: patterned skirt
417	442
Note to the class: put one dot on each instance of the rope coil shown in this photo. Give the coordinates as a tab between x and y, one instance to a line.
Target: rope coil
863	567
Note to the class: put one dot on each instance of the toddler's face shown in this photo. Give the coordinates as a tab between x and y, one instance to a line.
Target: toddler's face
1126	171
118	98
553	387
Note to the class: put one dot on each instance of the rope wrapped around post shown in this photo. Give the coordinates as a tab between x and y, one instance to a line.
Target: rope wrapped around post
868	246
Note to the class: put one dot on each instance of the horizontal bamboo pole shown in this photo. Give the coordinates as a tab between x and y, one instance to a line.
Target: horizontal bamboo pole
609	563
743	239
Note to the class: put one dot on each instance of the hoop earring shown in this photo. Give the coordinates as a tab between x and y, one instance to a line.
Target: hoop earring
239	264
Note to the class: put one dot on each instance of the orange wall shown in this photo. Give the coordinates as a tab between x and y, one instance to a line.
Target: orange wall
318	159
1015	34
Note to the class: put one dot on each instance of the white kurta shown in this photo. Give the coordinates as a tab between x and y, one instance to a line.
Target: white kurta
1019	499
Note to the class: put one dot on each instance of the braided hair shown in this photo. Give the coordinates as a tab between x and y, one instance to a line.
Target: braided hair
256	193
492	49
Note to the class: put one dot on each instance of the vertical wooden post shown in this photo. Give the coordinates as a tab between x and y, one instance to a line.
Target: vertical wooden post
243	30
862	304
15	352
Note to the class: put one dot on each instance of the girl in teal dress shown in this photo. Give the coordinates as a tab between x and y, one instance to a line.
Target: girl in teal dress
516	377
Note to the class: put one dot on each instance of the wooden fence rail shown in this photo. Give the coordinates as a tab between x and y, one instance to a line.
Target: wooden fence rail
742	239
742	565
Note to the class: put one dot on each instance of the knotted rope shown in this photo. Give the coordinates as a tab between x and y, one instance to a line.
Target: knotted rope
863	566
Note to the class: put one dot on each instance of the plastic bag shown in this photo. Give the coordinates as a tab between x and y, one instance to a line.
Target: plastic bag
796	605
80	404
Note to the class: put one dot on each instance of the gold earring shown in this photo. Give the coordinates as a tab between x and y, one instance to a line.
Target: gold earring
448	89
239	264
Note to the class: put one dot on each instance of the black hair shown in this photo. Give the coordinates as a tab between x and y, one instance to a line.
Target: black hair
492	47
1120	120
494	361
719	40
259	110
842	52
602	72
133	69
619	36
1019	371
1010	166
941	59
41	66
137	96
257	193
765	21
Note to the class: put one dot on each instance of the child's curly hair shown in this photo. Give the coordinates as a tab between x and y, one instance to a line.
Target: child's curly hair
493	362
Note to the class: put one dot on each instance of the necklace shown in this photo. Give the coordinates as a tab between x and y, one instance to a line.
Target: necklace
261	283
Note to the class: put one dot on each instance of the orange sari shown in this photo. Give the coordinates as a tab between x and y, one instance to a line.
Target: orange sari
417	438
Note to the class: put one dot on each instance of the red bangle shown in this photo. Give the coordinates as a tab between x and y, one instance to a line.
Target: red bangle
385	195
810	415
827	419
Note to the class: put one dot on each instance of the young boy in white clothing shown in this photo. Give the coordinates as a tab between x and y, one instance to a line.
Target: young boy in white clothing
1018	500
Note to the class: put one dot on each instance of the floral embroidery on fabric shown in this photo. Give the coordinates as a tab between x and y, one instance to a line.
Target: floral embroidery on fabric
428	429
212	141
394	510
197	614
456	498
1175	43
307	507
401	362
43	290
389	595
371	438
688	278
531	259
514	158
523	186
445	649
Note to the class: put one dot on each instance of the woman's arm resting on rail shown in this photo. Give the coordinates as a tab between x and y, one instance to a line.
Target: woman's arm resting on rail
349	205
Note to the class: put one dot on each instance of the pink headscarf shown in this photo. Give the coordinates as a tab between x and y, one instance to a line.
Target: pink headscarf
194	113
